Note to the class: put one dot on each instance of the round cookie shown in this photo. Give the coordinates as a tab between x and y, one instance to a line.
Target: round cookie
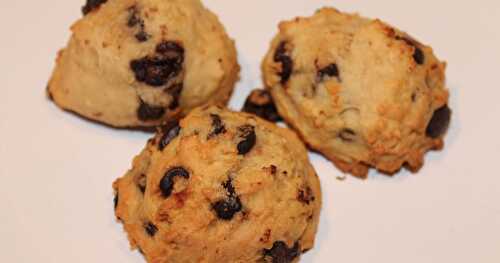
359	91
139	63
220	186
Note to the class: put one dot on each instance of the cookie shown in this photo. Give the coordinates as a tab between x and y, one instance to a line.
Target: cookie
359	91
139	63
260	102
220	186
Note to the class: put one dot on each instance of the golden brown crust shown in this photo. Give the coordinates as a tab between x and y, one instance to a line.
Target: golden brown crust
94	76
272	179
357	90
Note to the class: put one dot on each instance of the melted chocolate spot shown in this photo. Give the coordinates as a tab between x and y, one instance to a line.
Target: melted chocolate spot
142	36
170	131
439	122
281	56
170	47
247	133
228	207
280	253
217	126
92	5
146	112
228	185
329	71
167	182
260	103
158	69
150	229
175	91
418	54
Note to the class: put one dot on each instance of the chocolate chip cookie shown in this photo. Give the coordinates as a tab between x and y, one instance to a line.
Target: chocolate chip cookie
140	63
220	186
360	91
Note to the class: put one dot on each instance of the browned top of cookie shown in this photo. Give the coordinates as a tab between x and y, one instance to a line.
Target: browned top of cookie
221	186
357	89
143	62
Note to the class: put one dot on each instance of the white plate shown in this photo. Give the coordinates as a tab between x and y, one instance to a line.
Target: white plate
56	169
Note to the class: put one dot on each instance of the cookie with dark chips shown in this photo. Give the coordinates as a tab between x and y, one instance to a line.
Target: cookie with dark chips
359	91
138	63
193	195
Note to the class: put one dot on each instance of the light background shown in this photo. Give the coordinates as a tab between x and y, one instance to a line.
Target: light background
56	170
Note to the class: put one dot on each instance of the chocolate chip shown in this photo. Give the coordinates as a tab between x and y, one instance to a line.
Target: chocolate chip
170	131
169	46
142	36
115	200
167	182
228	185
154	71
347	135
260	103
175	91
147	112
439	122
280	253
418	54
150	229
91	5
330	71
247	133
227	208
158	69
281	56
217	126
305	196
274	169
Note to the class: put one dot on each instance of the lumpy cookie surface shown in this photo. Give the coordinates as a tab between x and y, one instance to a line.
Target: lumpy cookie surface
220	187
359	91
139	63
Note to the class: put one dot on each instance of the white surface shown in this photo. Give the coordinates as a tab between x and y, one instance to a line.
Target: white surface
56	170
